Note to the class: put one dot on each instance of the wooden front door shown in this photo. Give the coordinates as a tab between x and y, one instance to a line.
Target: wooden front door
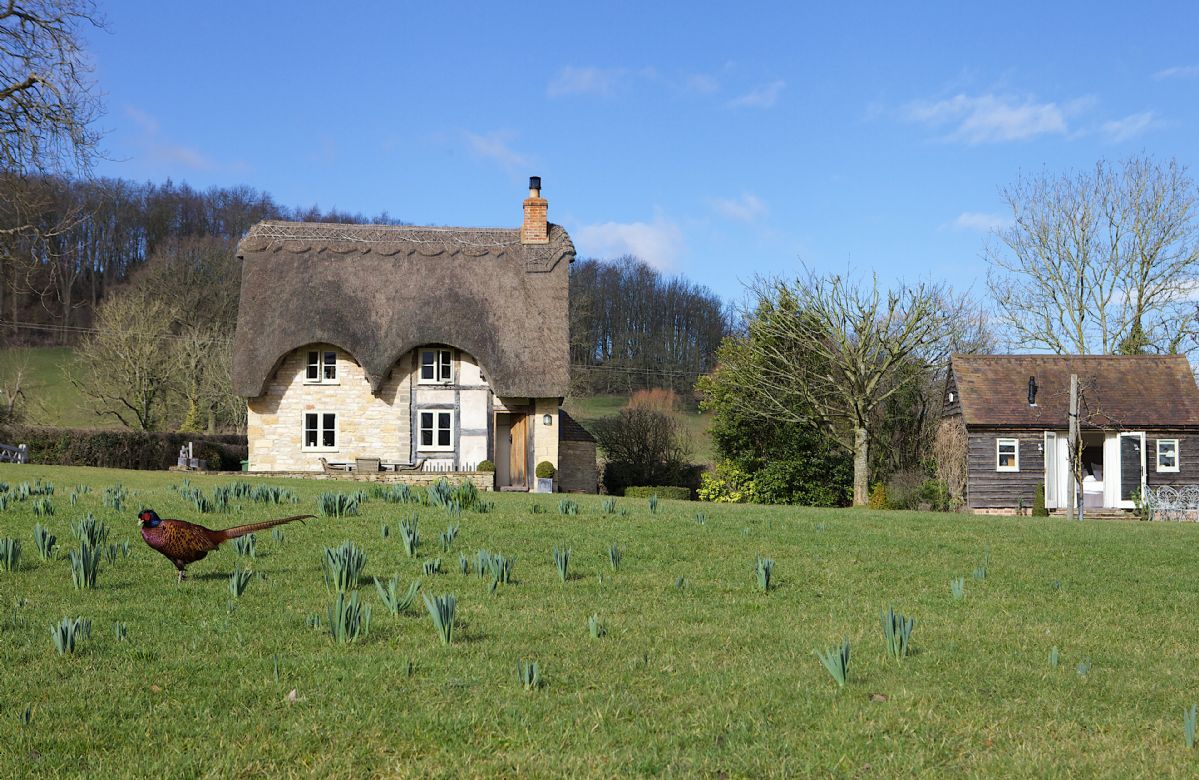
518	449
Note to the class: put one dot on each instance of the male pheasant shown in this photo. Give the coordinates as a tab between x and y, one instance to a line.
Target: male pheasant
183	542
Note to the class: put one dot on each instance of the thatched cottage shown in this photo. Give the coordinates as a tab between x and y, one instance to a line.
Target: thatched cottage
1138	416
426	349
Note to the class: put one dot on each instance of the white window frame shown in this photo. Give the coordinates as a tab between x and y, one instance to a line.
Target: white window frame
1158	447
326	371
436	428
443	366
999	443
320	430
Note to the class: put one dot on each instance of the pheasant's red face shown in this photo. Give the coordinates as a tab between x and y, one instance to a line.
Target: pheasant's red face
147	517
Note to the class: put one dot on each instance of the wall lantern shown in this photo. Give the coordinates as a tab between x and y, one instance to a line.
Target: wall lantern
547	419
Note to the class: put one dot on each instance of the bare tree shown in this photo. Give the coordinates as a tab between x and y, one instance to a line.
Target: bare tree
127	366
1104	261
47	99
825	349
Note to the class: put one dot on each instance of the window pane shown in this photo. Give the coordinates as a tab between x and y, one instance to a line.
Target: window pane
313	368
330	365
426	437
426	420
443	430
447	373
427	367
309	430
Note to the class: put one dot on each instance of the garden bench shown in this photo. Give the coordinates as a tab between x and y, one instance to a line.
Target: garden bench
1172	503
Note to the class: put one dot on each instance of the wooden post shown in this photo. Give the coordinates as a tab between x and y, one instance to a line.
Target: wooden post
1076	494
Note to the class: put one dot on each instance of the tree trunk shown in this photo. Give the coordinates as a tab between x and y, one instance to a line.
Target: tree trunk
861	468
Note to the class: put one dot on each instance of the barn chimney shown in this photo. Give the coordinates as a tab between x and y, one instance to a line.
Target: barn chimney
535	229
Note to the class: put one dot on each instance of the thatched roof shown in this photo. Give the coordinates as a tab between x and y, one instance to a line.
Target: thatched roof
380	291
1123	392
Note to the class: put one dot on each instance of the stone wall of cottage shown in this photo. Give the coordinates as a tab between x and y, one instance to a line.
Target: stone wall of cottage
368	426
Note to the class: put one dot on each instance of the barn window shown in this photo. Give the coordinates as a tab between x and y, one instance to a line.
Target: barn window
436	366
322	367
1007	455
1167	454
320	431
436	430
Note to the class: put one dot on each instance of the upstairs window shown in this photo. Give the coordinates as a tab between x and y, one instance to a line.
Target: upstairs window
322	368
436	430
436	366
1167	454
320	431
1007	455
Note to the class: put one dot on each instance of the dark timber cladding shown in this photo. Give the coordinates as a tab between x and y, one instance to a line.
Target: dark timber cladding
379	291
1151	394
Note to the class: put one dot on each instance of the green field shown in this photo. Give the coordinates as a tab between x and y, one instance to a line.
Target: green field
708	677
51	398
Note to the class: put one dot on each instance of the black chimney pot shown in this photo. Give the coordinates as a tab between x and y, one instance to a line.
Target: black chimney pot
1032	391
534	182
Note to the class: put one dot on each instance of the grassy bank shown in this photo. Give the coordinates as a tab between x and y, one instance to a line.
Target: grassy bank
700	673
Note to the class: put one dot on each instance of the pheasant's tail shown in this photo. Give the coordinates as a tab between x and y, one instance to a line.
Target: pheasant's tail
242	530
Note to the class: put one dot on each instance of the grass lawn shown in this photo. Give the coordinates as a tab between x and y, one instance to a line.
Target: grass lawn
51	398
713	678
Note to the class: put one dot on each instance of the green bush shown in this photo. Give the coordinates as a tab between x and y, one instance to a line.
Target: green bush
661	491
546	470
1038	503
878	496
125	449
485	465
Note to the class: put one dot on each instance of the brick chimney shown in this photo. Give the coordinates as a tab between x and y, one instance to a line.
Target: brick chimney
535	230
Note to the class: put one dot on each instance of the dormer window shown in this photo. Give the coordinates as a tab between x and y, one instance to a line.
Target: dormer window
436	366
322	368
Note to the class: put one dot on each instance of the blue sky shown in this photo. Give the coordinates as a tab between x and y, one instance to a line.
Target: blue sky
714	140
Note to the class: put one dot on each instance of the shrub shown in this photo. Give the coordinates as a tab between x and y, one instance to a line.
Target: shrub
568	507
670	492
485	465
546	470
1038	502
431	567
410	535
878	496
125	449
448	536
642	447
614	556
246	546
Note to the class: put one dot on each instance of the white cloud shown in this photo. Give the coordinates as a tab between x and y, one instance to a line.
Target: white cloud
746	208
992	118
1130	126
701	83
658	243
764	96
980	221
155	147
585	81
496	147
1178	72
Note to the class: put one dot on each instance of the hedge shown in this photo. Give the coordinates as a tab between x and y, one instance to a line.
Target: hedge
661	491
120	449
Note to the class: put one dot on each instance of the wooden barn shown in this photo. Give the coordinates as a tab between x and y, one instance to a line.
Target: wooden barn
414	351
1139	417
